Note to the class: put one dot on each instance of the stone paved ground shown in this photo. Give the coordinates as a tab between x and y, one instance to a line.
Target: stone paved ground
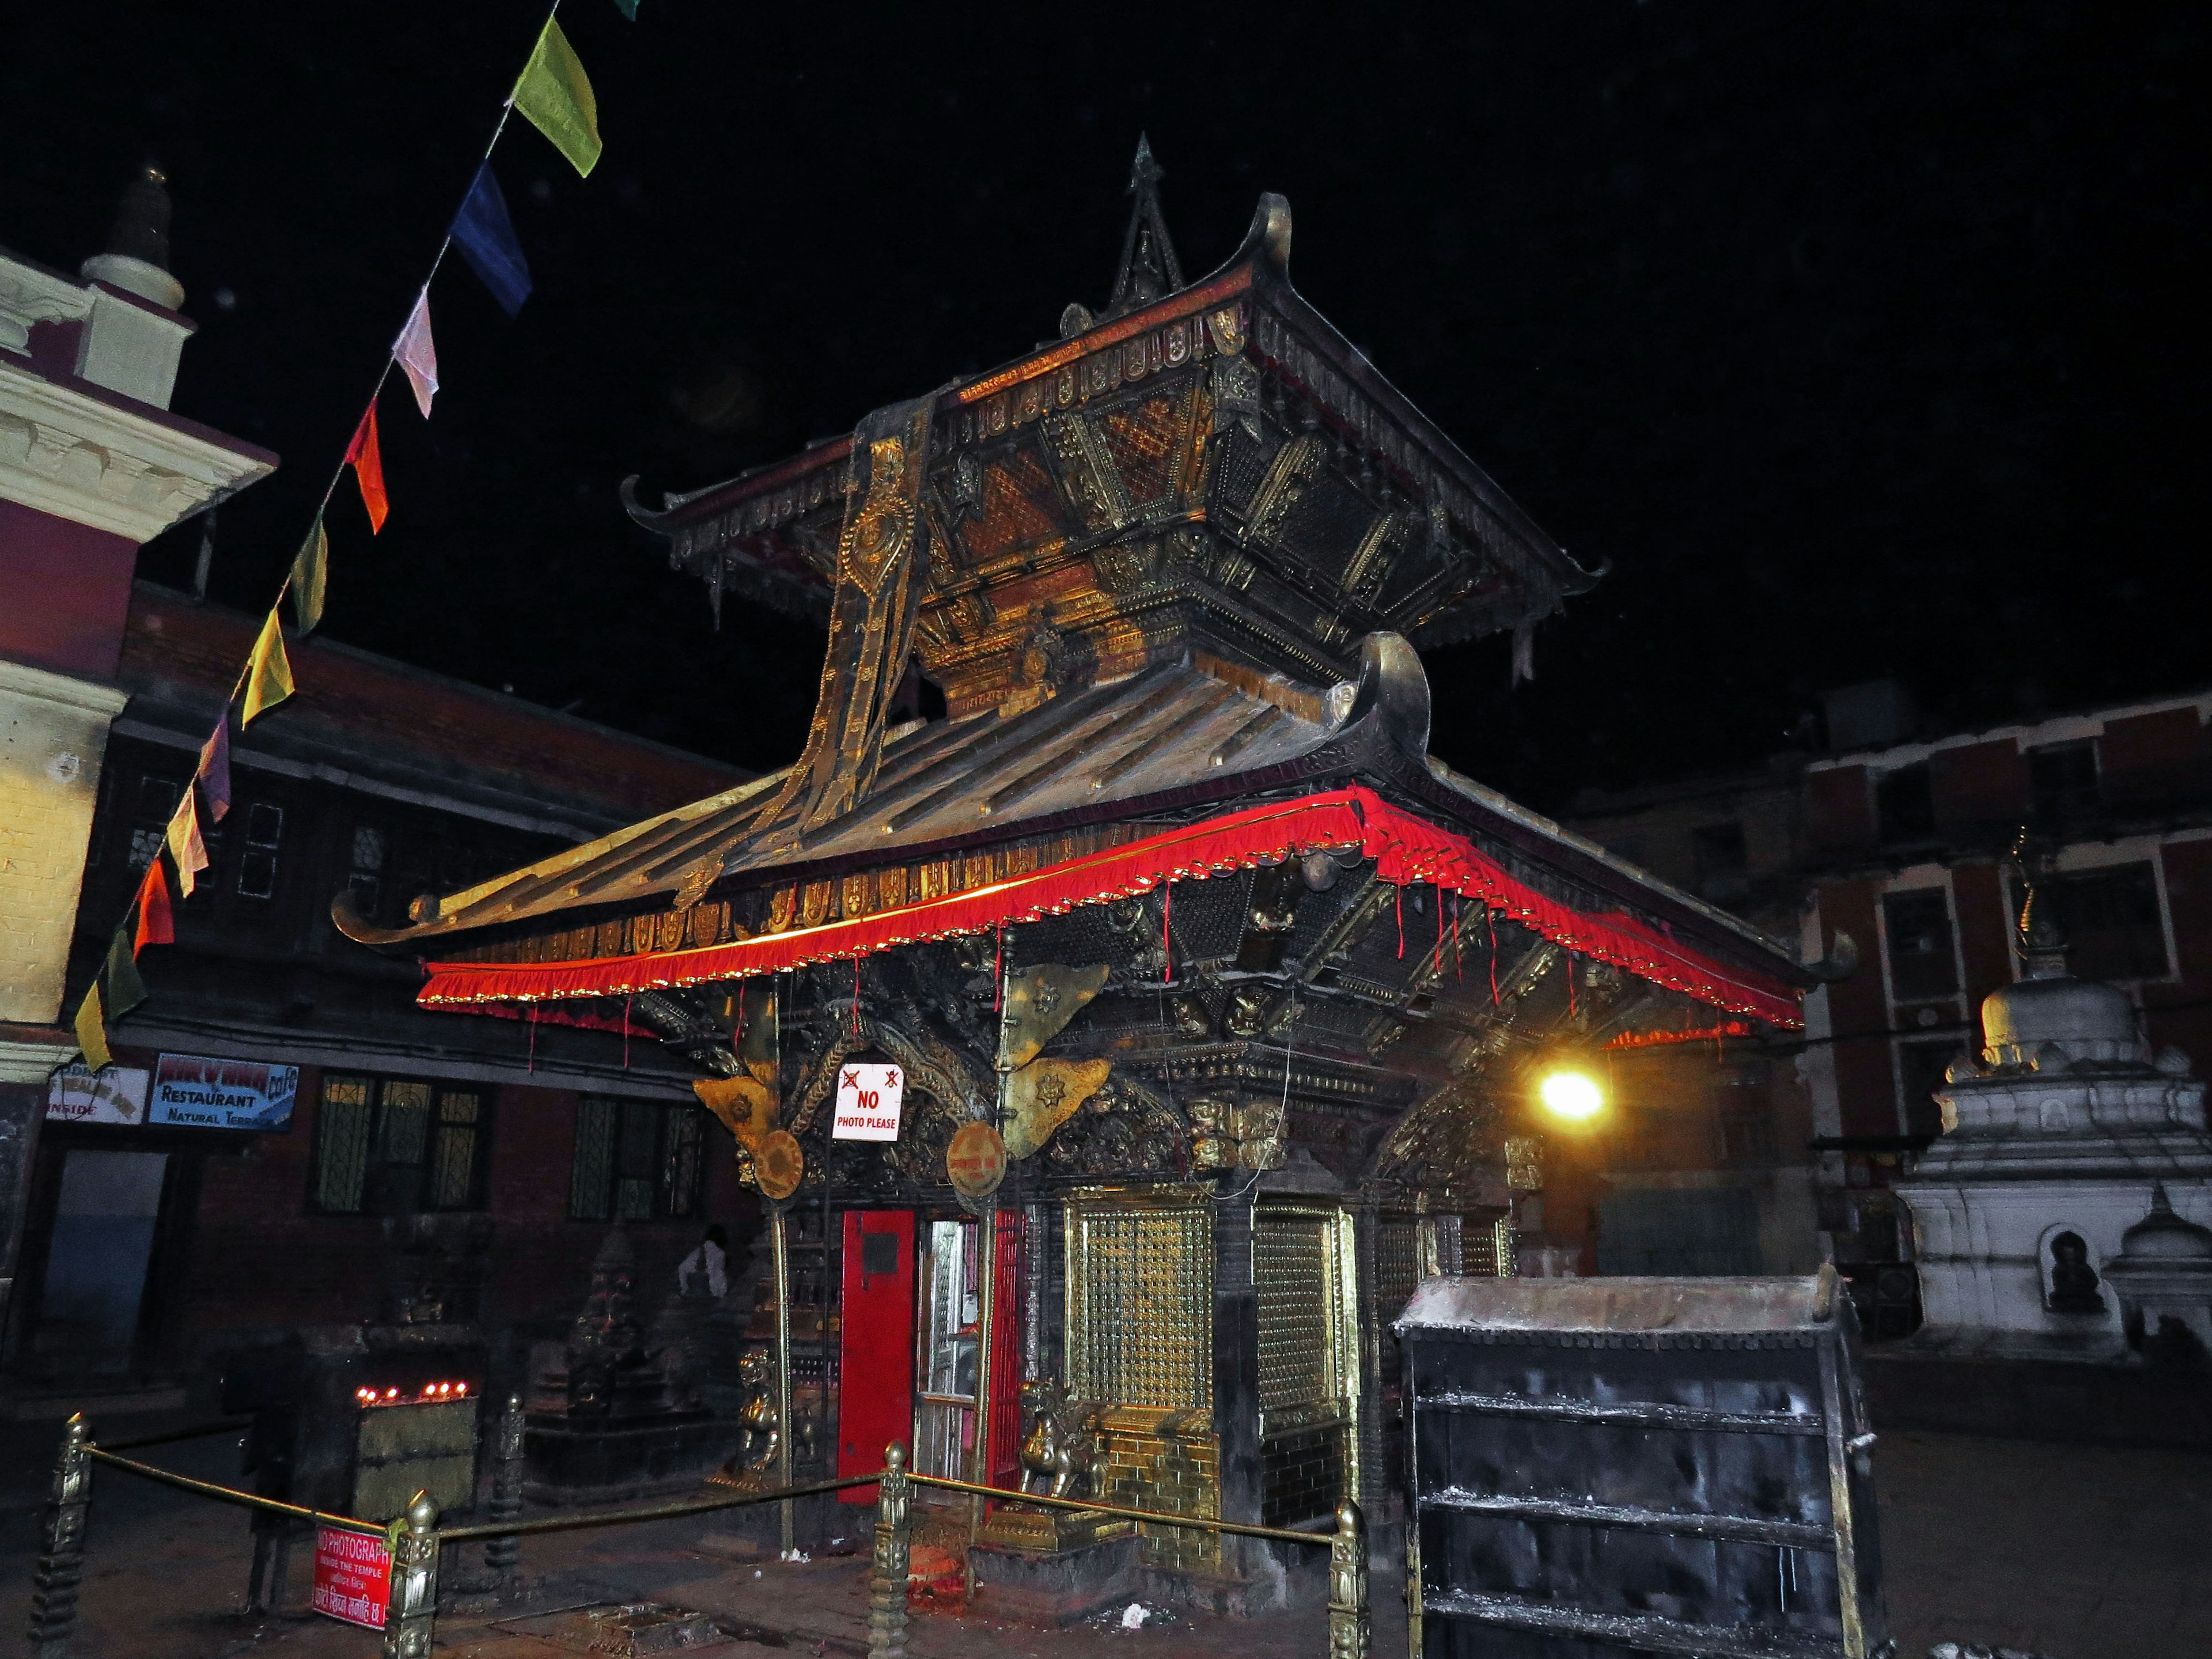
2076	1551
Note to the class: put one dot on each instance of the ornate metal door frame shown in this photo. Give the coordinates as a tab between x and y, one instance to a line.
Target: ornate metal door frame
1305	1269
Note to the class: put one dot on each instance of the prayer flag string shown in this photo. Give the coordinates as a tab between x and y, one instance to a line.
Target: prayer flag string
555	95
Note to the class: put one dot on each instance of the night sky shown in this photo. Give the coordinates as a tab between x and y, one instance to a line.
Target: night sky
1856	337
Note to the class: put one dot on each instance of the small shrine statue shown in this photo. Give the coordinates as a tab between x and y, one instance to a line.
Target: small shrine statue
2073	1280
607	1340
1061	1448
762	1423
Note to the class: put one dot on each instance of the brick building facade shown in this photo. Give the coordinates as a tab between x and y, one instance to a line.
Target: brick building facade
1905	845
93	463
488	1156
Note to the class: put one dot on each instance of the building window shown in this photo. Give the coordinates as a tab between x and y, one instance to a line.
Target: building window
636	1160
158	798
2112	922
154	803
366	879
1922	965
1747	1140
398	1146
1746	1123
2061	780
1905	804
1721	864
257	864
1920	1068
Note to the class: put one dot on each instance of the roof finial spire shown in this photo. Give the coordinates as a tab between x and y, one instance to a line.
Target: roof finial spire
1149	266
137	256
2042	943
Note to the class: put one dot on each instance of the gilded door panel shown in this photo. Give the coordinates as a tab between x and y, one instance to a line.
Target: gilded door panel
1303	1269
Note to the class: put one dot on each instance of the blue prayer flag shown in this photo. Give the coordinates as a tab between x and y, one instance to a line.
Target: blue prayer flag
485	236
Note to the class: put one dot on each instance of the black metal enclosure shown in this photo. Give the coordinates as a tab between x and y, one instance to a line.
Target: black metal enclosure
1665	1466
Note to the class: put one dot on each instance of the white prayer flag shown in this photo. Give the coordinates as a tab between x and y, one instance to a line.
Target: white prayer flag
418	354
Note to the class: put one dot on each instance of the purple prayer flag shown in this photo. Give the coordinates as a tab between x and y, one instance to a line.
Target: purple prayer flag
485	236
214	768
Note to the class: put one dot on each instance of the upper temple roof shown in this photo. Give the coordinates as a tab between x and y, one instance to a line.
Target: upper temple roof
1216	467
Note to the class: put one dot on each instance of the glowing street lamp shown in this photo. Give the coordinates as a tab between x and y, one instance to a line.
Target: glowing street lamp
1570	1093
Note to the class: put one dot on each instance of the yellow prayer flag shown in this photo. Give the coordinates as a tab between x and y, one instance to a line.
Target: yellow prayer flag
187	849
92	1031
268	672
310	570
556	93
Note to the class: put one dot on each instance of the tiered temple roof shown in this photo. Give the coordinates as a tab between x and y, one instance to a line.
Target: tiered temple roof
1170	571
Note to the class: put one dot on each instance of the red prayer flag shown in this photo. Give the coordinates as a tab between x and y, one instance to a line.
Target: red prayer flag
157	923
368	467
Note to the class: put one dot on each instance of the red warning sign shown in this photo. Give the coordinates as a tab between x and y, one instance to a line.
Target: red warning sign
353	1576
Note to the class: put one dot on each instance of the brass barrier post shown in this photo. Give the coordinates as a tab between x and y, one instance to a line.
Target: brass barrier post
409	1625
61	1545
987	1278
779	1250
1347	1584
503	1554
887	1596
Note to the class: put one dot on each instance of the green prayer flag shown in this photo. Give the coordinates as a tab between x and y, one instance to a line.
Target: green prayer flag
268	671
126	989
311	569
556	93
92	1030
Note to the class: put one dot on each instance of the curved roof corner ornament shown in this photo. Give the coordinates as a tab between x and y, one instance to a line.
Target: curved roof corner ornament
638	512
1394	688
1271	229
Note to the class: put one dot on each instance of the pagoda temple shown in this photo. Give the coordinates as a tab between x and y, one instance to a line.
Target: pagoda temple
1251	989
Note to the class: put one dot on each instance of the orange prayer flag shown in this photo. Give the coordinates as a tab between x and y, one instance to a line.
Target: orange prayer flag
367	461
157	922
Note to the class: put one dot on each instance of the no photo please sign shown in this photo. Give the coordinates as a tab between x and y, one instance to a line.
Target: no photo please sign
868	1099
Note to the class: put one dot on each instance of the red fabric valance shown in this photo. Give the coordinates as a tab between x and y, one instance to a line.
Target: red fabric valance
1407	850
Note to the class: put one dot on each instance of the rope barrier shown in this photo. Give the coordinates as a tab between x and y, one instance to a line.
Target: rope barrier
221	1494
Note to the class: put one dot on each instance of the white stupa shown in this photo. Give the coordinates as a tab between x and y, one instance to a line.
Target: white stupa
2060	1212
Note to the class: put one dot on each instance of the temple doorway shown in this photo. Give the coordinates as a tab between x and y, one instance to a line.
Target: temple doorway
875	1353
1303	1271
944	1413
104	1220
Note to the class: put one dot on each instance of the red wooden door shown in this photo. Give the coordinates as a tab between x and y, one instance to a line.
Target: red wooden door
875	1348
1006	1318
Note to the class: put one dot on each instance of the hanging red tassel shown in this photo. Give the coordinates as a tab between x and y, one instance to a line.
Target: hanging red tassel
1459	952
1493	915
1439	969
625	1002
1167	933
998	970
1571	985
1401	924
856	996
